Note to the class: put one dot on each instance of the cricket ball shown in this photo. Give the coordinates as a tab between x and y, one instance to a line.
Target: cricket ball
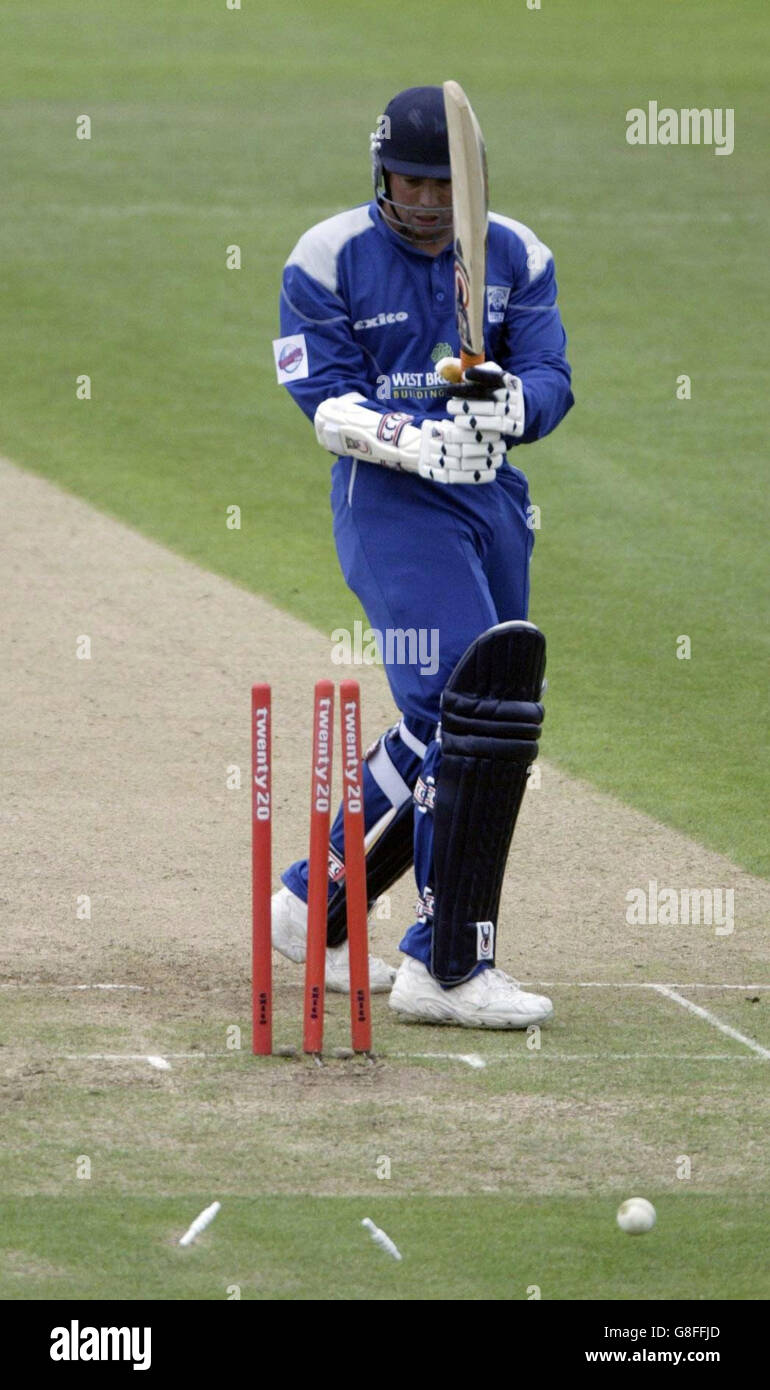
636	1215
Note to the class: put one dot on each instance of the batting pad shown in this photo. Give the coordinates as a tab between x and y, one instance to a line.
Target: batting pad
490	726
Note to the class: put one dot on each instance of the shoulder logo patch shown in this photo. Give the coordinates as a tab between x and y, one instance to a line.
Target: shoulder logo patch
290	358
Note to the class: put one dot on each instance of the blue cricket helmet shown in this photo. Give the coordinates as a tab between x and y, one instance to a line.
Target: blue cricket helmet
411	137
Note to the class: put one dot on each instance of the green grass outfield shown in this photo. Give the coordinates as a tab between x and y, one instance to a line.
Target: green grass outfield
310	1248
499	1175
213	127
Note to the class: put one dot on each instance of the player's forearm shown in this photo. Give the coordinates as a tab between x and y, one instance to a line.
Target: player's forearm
547	397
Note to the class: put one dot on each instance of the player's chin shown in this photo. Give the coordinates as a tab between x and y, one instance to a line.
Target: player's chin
429	229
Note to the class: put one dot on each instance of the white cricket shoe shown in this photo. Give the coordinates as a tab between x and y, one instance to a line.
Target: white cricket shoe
289	930
289	924
491	999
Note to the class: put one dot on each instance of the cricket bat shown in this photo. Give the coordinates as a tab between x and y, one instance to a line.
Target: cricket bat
470	201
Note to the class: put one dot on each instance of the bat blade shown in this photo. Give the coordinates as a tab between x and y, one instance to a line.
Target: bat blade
468	160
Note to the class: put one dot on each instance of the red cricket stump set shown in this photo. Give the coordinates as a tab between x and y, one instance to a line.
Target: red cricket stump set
318	880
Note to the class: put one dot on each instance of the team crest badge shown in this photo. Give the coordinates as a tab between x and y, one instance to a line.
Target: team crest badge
497	302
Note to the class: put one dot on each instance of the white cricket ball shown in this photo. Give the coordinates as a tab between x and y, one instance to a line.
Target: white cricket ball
636	1215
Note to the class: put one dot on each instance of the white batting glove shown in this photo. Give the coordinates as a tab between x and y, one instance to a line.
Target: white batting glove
461	450
488	394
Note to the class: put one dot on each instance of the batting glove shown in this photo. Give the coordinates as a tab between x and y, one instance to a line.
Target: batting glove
489	395
460	450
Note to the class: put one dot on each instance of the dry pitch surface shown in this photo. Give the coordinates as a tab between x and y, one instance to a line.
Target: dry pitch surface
115	787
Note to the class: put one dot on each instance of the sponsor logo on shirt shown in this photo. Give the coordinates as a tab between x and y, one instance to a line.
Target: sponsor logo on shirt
290	358
416	384
395	386
380	320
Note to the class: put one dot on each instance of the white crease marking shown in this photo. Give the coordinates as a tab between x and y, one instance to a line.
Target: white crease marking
715	1022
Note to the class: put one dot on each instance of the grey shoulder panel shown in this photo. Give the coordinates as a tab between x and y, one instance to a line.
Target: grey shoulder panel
318	250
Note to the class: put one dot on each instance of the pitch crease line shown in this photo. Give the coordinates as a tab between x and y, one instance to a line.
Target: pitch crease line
476	1060
715	1022
550	984
631	984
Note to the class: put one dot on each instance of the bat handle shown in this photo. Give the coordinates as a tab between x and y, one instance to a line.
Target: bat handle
469	359
452	368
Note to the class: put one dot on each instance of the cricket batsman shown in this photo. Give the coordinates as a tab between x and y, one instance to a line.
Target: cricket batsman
382	311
